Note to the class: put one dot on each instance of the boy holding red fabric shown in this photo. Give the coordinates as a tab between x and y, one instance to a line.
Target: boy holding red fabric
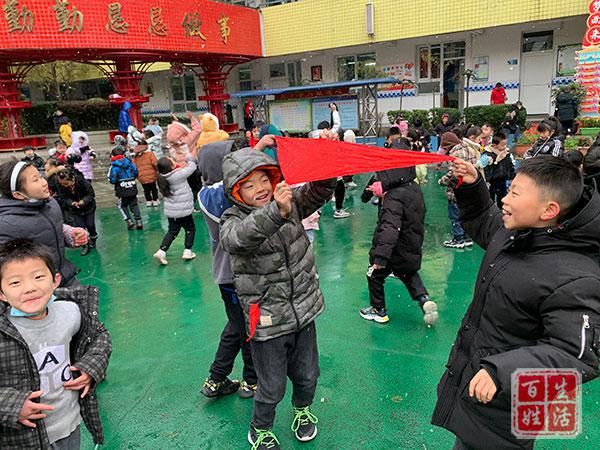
276	281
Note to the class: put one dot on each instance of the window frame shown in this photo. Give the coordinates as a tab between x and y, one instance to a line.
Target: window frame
179	106
356	61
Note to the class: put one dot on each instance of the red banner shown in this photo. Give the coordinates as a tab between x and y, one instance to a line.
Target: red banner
303	160
138	27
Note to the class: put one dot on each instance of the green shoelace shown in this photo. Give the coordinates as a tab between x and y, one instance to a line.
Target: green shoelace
303	416
262	436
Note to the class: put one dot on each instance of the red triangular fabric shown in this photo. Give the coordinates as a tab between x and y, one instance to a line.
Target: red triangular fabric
304	160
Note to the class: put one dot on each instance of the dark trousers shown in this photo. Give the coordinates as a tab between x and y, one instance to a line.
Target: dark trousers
150	191
175	225
233	339
454	215
294	356
567	126
87	221
498	191
339	193
71	442
412	281
126	204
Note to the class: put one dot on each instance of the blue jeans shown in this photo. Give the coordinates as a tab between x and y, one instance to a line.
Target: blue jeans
453	214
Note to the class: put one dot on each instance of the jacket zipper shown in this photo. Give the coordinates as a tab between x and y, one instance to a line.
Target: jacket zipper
584	326
289	270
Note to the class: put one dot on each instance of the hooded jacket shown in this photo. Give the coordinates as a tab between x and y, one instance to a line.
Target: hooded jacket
535	292
124	118
83	151
210	131
122	175
213	203
566	107
82	191
181	201
90	351
146	163
41	221
271	258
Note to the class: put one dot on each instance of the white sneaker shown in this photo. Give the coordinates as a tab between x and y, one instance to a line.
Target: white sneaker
351	185
430	312
341	214
188	254
148	204
161	256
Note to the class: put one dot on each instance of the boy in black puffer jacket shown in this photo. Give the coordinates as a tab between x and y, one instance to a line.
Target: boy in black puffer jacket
397	240
498	167
536	302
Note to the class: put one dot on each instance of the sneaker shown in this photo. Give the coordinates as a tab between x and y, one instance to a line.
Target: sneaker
188	254
468	242
351	185
341	214
161	256
247	390
304	424
149	204
139	225
455	243
130	224
262	439
430	312
155	203
212	389
378	315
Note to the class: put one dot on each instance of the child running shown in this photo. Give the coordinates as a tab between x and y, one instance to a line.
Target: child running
179	204
54	352
276	280
122	175
146	162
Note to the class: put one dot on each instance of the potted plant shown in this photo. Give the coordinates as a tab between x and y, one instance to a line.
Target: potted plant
590	127
525	142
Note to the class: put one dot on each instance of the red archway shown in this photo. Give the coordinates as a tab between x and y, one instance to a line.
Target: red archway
123	39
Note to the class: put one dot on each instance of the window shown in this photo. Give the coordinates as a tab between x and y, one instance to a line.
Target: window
454	50
183	93
357	67
245	79
277	70
538	42
429	62
290	70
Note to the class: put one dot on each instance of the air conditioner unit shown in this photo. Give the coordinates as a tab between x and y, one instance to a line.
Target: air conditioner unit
370	19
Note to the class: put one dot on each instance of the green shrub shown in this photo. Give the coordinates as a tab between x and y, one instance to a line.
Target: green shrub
493	114
590	123
39	119
422	114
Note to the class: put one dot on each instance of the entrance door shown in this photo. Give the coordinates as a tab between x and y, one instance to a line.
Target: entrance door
537	59
453	83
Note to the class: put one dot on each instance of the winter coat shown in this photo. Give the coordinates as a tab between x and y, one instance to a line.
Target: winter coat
566	107
122	175
467	151
124	118
591	165
65	131
155	145
440	128
498	96
533	292
41	221
146	163
498	170
549	147
37	162
181	201
82	191
90	352
134	137
271	258
85	152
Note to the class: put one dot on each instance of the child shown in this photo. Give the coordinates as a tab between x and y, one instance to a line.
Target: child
498	168
154	142
34	159
54	352
133	137
154	126
65	130
146	163
81	148
276	281
122	175
467	150
487	132
537	296
77	199
397	240
549	141
213	203
179	204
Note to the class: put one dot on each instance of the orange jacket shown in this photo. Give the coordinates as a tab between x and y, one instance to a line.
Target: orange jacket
146	165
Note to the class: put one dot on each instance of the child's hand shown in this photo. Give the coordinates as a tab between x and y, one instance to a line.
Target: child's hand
283	196
482	386
80	237
32	410
377	189
84	381
465	170
267	141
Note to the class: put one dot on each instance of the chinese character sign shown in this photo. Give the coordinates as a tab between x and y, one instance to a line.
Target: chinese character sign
116	22
546	403
18	20
68	20
224	27
157	22
191	24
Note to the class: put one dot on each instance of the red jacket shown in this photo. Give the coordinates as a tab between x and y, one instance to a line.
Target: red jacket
498	96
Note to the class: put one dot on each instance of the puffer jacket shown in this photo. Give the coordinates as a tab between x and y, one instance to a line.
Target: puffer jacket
122	175
566	107
84	151
83	191
41	221
124	118
181	201
90	351
146	163
535	292
271	258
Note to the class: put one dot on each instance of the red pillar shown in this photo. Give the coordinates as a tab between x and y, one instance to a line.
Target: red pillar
126	83
213	78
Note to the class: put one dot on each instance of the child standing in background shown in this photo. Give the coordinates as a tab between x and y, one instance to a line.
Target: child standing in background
146	163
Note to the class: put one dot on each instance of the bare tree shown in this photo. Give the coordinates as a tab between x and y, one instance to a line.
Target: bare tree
55	78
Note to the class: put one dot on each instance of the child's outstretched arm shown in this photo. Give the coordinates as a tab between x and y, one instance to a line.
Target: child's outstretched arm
243	236
312	196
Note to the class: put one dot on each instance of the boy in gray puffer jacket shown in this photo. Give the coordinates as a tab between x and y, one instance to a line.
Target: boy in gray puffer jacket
276	281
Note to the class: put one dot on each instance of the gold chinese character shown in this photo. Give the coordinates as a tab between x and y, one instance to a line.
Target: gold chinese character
191	24
116	22
157	24
225	30
20	21
68	20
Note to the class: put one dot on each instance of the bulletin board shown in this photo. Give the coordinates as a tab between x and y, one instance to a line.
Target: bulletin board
292	116
347	106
